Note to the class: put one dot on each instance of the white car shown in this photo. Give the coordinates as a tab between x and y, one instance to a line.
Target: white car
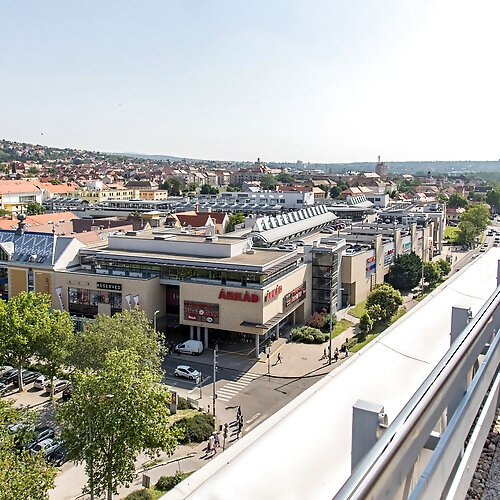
187	372
5	369
59	385
47	446
41	382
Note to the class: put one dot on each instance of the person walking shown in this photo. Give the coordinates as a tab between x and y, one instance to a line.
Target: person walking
324	353
279	360
216	439
208	409
211	441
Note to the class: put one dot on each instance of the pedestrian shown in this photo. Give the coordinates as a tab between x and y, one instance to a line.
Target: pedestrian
336	355
211	442
279	360
208	409
209	449
216	439
238	413
324	353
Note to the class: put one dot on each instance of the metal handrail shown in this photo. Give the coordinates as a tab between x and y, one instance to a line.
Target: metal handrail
411	425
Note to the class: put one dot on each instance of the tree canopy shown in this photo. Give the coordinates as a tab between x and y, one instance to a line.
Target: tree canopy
406	271
383	303
473	222
457	201
34	208
493	198
234	219
267	182
285	178
22	475
113	415
24	319
125	330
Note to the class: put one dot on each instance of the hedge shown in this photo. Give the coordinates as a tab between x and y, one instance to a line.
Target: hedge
196	429
166	483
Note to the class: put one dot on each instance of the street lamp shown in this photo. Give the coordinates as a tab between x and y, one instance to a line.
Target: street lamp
154	320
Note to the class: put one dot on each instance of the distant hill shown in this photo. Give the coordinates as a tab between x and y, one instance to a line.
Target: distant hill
153	157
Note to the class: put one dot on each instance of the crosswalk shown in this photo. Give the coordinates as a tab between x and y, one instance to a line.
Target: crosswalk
230	389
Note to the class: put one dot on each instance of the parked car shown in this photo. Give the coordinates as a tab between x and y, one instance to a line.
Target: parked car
28	377
46	447
187	372
59	385
41	434
9	376
3	389
41	382
59	456
5	369
190	347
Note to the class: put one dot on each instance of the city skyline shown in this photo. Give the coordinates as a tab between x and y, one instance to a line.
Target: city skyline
327	82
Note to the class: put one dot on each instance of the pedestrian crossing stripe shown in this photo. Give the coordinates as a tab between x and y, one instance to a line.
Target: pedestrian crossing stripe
232	388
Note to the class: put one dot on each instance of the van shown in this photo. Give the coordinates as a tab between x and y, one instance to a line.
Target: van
190	347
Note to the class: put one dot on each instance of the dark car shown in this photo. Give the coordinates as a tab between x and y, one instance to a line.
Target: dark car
41	433
3	389
28	377
59	456
8	376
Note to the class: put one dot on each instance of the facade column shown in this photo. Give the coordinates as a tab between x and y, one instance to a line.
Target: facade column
257	342
277	331
191	332
198	333
294	317
205	341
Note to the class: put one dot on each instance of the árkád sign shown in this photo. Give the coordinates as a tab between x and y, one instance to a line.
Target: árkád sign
273	293
239	296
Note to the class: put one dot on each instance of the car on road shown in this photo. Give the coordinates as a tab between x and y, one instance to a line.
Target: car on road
190	347
187	372
59	385
41	382
28	377
59	456
41	434
482	249
46	447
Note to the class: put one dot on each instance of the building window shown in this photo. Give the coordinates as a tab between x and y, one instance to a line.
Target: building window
31	281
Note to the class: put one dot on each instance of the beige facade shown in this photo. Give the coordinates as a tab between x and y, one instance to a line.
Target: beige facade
99	196
244	310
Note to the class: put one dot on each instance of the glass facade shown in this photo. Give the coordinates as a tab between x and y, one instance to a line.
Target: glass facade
85	302
325	265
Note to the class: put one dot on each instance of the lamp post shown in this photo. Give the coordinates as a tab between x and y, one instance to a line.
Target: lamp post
154	320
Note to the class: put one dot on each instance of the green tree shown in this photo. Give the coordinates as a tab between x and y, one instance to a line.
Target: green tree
467	233
432	272
54	345
476	196
3	212
267	182
336	190
126	330
473	222
191	187
34	208
234	219
285	178
493	198
365	324
22	475
115	414
23	320
387	298
445	267
406	271
207	189
457	201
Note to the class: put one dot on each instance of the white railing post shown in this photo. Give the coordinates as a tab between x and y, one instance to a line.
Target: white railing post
367	420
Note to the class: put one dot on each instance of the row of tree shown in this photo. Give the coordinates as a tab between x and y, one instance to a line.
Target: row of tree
118	408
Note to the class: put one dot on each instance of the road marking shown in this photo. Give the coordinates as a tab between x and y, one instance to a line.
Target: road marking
257	415
222	399
238	385
227	393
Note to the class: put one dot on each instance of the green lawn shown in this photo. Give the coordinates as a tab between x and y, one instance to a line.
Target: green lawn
451	233
377	330
341	326
358	310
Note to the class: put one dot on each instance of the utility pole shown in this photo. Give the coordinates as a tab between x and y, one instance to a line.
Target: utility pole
331	323
214	395
269	362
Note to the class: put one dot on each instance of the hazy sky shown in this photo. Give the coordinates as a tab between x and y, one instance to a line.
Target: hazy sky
321	81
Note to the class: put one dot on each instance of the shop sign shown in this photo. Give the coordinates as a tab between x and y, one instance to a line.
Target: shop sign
239	296
370	266
109	286
201	311
296	295
389	258
273	293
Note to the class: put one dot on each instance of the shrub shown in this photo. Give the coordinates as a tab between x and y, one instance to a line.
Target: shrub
166	483
309	335
321	319
184	404
139	495
365	324
196	429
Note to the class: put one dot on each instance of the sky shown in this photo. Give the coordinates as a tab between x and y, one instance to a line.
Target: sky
284	80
